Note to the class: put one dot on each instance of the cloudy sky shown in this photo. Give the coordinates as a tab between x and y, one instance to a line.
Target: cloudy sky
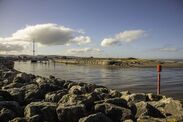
102	28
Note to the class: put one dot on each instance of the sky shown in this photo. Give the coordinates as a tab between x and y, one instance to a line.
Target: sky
99	28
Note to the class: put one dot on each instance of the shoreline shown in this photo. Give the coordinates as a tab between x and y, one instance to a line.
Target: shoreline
122	63
29	98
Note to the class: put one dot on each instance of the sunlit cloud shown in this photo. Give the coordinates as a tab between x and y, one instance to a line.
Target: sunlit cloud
84	50
46	34
126	36
168	49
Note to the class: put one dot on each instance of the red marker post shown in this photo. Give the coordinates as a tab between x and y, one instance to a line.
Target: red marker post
159	69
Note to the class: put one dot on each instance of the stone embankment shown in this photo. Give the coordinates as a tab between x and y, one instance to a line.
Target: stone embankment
93	61
29	98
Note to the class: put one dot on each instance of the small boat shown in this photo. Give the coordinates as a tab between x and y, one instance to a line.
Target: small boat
33	60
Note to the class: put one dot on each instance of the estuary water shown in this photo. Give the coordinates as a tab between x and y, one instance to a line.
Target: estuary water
132	79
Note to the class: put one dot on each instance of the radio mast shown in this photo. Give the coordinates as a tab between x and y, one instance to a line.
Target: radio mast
33	46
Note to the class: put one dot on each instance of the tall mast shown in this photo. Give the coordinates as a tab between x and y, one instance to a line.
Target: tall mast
33	45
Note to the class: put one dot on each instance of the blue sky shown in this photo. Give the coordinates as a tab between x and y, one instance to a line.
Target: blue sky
154	28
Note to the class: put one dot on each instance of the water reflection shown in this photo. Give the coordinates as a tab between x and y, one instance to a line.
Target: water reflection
133	79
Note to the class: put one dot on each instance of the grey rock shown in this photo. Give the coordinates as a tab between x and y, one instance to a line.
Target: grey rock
102	90
17	94
115	93
55	96
76	89
46	111
135	97
145	109
117	101
114	112
18	119
6	115
5	96
98	117
70	113
154	97
35	118
13	106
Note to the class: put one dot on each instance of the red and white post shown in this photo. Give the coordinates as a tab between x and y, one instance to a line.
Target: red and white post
159	68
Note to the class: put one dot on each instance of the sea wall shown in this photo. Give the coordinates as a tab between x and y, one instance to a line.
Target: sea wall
93	61
29	98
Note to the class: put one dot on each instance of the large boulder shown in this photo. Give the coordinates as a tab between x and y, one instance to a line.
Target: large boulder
77	90
117	101
115	93
5	96
12	85
46	111
135	97
9	76
23	78
114	112
55	96
17	94
19	119
10	109
98	117
6	115
173	109
144	109
32	93
70	113
154	97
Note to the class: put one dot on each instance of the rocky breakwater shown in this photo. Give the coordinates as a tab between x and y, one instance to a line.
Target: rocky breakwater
29	98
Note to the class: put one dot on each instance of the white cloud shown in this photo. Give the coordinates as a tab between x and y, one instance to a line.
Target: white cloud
10	48
84	50
126	36
46	34
168	49
81	40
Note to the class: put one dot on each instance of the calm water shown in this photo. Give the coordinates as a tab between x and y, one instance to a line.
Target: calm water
132	79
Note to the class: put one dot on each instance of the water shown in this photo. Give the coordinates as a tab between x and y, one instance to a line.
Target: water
132	79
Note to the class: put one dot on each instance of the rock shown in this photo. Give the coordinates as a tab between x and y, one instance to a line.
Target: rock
9	75
125	93
128	120
18	119
173	108
6	115
35	118
145	109
17	94
114	112
52	77
98	117
55	96
102	90
46	88
89	87
70	113
135	97
23	78
114	93
5	96
117	101
13	85
77	90
46	111
154	97
87	99
32	93
13	106
150	119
